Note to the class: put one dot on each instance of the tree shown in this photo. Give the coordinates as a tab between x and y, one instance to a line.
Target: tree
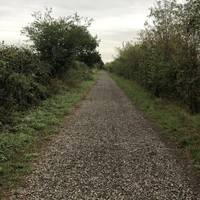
167	59
61	41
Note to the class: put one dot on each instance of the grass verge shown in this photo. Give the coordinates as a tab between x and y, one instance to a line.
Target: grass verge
178	124
20	146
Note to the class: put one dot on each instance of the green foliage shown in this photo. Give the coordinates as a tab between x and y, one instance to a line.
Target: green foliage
61	41
61	49
79	72
166	61
23	79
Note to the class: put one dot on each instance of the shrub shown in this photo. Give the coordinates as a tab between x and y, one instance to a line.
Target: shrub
166	60
62	48
61	41
23	79
80	71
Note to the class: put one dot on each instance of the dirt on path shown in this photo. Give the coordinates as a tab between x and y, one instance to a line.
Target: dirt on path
108	150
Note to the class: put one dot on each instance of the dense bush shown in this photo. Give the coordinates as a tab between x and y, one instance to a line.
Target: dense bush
80	71
61	41
61	48
166	61
23	79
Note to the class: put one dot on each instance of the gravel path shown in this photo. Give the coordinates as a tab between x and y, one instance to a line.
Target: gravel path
107	150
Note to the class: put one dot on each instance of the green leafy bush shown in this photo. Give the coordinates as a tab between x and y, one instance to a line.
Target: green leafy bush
80	71
166	61
23	80
62	49
61	41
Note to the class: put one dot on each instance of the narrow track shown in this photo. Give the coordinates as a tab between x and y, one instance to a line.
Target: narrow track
108	151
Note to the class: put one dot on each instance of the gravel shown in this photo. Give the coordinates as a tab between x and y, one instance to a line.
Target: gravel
108	150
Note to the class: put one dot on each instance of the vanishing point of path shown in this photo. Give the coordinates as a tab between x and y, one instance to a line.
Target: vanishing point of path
107	150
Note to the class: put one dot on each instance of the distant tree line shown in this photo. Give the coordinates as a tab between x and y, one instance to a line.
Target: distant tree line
58	47
166	60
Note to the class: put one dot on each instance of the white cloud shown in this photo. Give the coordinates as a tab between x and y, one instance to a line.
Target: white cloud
116	21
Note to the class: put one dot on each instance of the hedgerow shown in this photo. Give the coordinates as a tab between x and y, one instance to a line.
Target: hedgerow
23	80
60	48
166	60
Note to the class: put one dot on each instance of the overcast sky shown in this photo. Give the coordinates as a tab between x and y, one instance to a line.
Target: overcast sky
115	21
